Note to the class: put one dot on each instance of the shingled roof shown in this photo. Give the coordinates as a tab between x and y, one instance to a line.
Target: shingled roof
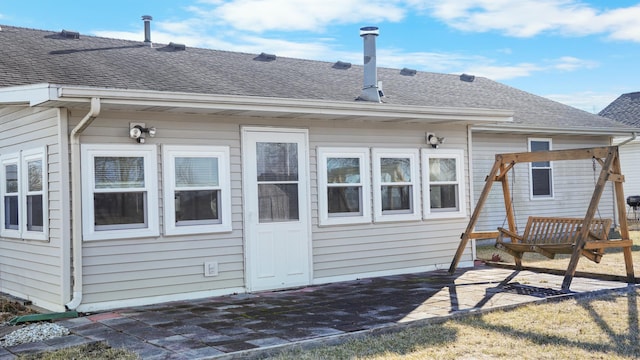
29	56
625	109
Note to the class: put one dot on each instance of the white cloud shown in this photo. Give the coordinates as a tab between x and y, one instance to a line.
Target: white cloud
527	18
295	15
589	101
569	63
503	72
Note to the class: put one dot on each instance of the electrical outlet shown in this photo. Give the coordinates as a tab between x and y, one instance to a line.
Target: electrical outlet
211	268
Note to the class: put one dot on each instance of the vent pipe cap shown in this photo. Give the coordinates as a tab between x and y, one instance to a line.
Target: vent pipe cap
369	30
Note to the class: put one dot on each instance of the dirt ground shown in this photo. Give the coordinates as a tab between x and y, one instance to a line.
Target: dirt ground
10	308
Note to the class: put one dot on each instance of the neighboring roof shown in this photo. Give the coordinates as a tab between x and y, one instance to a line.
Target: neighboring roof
29	56
625	109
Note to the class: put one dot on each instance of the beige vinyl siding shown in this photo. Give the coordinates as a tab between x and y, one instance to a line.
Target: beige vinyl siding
349	251
573	181
122	269
32	269
167	265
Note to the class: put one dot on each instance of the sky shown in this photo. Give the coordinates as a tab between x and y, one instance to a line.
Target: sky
580	53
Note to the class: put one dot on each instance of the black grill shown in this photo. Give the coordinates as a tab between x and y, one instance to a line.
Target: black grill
634	201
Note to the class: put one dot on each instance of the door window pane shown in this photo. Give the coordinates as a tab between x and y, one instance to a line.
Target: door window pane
278	202
277	161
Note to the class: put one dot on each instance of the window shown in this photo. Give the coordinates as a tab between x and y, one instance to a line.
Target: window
396	192
24	195
443	183
120	196
540	173
196	189
343	186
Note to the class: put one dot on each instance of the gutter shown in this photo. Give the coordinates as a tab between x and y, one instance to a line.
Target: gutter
76	210
633	137
510	128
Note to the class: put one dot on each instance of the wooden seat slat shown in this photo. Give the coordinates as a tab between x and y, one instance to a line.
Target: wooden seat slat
558	235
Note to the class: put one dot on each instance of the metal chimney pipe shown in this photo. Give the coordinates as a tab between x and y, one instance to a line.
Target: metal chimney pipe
370	91
147	29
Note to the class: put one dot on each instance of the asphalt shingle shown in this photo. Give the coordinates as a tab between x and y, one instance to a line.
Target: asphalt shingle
625	109
29	56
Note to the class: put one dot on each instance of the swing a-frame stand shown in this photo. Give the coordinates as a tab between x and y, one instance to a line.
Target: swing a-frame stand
584	243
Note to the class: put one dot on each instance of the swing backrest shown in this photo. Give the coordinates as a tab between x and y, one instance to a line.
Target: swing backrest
554	230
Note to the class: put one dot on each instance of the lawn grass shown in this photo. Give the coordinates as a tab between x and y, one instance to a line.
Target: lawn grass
94	351
604	327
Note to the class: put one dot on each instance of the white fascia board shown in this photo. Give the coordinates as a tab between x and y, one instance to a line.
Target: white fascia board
31	95
300	106
509	128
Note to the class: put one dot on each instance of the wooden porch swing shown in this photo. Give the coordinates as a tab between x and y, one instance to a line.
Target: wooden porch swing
548	236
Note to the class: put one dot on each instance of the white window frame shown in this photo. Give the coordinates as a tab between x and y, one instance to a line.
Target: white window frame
324	153
169	154
27	156
10	159
21	159
150	158
458	155
416	207
550	168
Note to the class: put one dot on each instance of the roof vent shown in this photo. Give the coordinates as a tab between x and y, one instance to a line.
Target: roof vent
70	34
265	57
147	29
408	72
467	78
177	47
341	65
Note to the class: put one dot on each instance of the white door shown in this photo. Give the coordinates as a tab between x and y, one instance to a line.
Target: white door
276	208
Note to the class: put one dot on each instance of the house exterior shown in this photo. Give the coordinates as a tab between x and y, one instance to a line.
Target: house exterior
626	110
135	173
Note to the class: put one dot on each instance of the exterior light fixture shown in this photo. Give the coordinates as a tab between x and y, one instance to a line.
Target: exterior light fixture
137	131
434	140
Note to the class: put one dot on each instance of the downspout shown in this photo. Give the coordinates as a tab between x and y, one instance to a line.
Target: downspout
470	177
633	137
76	201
